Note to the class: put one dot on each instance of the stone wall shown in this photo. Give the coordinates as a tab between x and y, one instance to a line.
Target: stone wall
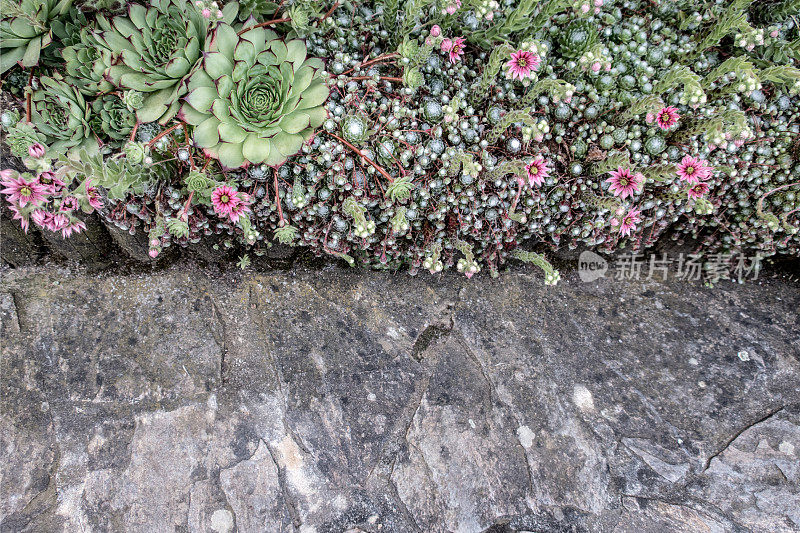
337	400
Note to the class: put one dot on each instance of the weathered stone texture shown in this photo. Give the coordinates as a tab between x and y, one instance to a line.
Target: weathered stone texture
343	401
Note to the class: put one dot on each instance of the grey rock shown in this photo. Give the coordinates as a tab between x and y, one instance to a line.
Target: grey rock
342	401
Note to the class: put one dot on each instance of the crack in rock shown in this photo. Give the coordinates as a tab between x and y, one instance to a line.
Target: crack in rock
736	435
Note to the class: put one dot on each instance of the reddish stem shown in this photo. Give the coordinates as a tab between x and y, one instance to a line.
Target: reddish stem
189	201
133	133
278	199
261	25
382	78
328	14
162	134
367	159
371	61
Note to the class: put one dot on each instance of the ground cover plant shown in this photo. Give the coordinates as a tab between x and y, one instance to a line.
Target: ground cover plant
425	134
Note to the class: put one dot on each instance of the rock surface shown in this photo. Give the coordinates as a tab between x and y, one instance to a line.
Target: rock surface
345	401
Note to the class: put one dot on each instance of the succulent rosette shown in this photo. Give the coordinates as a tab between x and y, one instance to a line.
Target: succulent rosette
25	30
87	63
158	47
60	112
113	117
256	99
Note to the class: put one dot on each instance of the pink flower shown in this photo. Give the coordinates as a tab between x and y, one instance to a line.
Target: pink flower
667	117
70	203
537	171
241	207
74	226
57	222
522	64
36	150
7	174
628	223
457	49
596	66
41	217
698	190
446	45
452	8
624	183
23	220
224	200
153	253
23	192
51	184
206	13
693	170
93	197
436	30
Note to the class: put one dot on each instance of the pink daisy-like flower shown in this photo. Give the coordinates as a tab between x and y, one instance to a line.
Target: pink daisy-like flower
522	64
23	220
537	170
629	222
457	49
51	183
70	203
241	207
23	192
446	45
693	170
667	117
224	200
93	197
73	226
624	183
698	190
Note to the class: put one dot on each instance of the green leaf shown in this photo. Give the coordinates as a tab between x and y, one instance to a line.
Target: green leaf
230	155
202	98
254	149
206	134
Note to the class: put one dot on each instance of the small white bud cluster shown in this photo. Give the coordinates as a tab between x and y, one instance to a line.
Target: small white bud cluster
433	265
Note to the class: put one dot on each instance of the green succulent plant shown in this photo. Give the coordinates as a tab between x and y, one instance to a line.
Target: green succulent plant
256	98
66	31
25	30
256	8
577	38
355	129
158	47
21	136
60	112
113	117
87	63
